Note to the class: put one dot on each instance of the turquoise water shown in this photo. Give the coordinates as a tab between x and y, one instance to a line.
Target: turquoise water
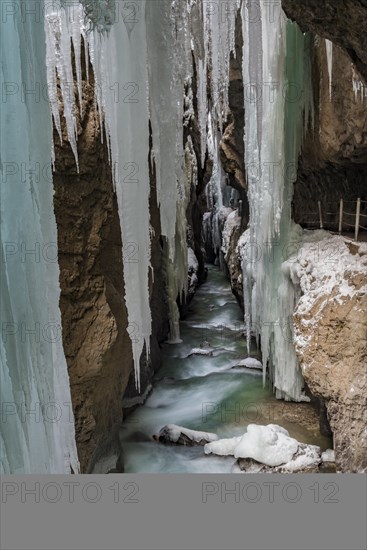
202	392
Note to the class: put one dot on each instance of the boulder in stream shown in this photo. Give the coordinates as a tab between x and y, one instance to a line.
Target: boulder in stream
267	449
178	435
201	351
250	363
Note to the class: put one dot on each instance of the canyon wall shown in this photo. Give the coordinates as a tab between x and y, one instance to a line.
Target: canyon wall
332	165
96	335
94	318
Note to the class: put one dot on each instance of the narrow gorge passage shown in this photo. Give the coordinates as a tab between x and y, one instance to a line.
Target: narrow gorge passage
146	142
201	386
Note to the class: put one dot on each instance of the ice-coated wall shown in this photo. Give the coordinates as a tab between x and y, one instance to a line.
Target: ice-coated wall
37	424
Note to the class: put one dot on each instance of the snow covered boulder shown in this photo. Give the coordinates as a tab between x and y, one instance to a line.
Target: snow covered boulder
193	268
222	447
178	435
250	363
270	445
267	449
307	459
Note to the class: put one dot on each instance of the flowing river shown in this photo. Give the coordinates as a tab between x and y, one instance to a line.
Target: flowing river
206	392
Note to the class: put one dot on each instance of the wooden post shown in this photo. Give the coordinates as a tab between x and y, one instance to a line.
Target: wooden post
341	217
320	214
358	212
240	209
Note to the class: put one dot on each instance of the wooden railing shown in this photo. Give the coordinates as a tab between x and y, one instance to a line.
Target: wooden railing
340	217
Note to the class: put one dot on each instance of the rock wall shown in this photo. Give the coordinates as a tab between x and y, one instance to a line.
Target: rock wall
94	319
344	23
232	143
331	339
333	163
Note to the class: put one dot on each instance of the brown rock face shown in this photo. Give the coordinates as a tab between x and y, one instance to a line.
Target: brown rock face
96	343
94	317
333	356
344	23
333	163
232	143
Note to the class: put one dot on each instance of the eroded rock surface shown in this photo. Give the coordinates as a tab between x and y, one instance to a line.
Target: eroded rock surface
331	341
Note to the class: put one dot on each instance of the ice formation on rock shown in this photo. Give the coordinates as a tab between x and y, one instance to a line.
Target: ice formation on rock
37	425
329	56
153	48
270	445
277	105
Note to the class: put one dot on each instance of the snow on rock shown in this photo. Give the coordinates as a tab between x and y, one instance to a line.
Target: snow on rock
306	456
183	436
270	445
232	222
193	267
328	456
265	449
250	363
307	459
223	447
324	269
201	351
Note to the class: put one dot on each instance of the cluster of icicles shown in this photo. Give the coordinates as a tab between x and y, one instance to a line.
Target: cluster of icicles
141	62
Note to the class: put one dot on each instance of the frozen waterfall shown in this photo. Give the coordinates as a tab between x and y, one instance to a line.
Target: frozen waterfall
154	48
145	58
278	103
37	424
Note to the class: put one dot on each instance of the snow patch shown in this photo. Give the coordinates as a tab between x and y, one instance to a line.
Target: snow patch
328	456
250	363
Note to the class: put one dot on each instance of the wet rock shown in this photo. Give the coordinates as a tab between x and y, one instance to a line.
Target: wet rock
330	323
177	435
250	363
201	351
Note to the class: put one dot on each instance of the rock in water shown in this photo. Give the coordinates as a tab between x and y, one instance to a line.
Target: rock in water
250	363
201	351
270	445
306	460
222	447
183	436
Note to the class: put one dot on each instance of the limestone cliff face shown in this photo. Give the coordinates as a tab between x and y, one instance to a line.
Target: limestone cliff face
96	342
233	163
333	162
344	23
94	316
333	165
331	340
232	143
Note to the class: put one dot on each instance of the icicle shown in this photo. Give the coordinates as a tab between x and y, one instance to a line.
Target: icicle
359	88
274	54
169	49
123	51
63	25
33	371
219	21
329	55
